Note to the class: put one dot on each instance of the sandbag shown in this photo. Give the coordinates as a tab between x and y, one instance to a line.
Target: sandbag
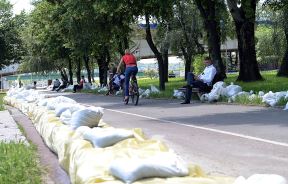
160	165
64	106
261	179
66	117
286	107
51	105
232	90
86	117
104	137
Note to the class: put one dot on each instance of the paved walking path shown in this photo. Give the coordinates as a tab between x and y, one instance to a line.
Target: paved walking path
9	130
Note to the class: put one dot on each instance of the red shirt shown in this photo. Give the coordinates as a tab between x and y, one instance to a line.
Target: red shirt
81	82
129	60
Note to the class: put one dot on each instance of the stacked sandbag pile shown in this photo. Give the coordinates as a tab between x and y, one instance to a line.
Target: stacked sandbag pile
91	151
234	91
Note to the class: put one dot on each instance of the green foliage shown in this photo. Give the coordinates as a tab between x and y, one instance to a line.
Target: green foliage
19	164
186	31
198	64
270	38
11	47
174	83
282	101
244	99
1	101
151	73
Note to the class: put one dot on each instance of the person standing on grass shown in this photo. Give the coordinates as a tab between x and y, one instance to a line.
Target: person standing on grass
131	68
80	85
199	81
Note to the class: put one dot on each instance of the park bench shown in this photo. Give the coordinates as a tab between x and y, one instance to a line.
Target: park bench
200	91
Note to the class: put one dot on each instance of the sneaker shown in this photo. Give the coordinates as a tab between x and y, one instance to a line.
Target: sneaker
185	102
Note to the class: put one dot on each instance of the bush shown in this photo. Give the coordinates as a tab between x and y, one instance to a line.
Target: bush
198	64
151	73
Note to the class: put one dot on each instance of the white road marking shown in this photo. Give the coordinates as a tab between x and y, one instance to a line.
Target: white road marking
207	129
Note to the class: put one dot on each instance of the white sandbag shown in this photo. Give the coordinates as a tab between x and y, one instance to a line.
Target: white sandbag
261	93
86	117
146	93
154	89
42	102
51	105
87	85
178	94
160	165
261	179
286	107
64	106
103	89
232	90
66	116
270	98
104	137
240	180
217	90
82	130
266	179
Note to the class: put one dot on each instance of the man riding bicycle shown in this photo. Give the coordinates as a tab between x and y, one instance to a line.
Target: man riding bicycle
131	68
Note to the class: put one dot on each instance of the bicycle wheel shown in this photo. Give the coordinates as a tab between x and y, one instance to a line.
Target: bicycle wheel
135	92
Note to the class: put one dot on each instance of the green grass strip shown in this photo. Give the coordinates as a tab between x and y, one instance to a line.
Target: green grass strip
19	164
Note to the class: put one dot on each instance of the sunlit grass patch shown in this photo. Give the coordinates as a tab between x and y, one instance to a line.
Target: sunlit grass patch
19	164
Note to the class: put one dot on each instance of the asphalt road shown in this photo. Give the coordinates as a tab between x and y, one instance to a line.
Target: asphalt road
228	140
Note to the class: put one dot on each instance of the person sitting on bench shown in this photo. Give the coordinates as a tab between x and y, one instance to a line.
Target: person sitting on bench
201	81
63	84
80	85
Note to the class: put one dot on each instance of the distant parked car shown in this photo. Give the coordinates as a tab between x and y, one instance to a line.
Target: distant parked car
171	75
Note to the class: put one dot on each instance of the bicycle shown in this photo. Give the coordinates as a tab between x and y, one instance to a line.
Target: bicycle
133	91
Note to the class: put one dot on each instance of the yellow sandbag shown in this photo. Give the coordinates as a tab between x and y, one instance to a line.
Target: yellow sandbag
60	134
88	165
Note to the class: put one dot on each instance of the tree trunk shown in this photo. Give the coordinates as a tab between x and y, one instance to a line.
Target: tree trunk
78	71
63	74
166	64
188	61
156	53
283	71
86	62
214	46
249	70
212	26
244	20
70	71
103	69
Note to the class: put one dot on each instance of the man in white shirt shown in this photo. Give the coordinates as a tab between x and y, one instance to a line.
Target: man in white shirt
201	81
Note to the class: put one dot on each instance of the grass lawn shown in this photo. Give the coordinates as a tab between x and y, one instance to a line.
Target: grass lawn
1	101
270	83
18	162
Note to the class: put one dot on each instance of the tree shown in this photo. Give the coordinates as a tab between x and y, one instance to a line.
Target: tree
282	5
42	36
244	19
11	46
211	12
162	11
186	32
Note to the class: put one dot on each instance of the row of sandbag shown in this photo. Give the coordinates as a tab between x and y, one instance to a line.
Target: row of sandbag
87	159
83	153
232	91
